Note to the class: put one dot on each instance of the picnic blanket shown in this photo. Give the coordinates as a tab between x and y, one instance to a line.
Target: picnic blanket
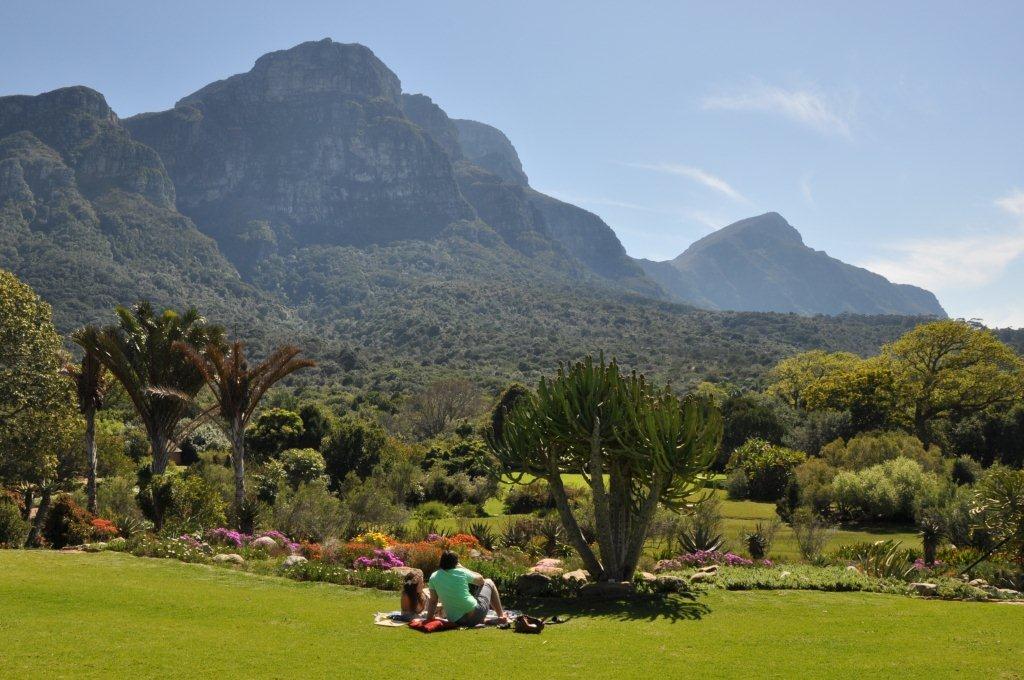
396	619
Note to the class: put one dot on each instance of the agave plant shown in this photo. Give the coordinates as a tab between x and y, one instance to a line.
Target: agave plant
759	539
884	559
484	534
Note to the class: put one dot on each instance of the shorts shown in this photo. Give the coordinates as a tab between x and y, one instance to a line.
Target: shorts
483	605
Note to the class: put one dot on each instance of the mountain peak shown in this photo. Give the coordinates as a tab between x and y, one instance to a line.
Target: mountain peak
769	230
314	67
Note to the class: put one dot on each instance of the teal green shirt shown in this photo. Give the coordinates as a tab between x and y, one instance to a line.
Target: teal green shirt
452	588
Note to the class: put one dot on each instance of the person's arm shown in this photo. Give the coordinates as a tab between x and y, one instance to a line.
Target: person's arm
477	579
432	604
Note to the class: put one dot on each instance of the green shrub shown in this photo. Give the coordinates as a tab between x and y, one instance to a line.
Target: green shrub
818	429
891	491
13	529
67	523
273	431
768	468
737	488
432	510
370	503
310	512
355	446
302	466
182	503
965	471
811	533
116	497
869	449
813	480
523	499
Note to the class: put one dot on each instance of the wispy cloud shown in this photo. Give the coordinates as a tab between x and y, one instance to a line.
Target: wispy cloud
702	177
807	107
1012	203
965	262
805	189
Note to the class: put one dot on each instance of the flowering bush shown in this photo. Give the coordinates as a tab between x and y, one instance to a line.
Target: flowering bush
338	552
462	542
382	559
103	529
311	551
703	558
375	538
228	537
279	538
423	555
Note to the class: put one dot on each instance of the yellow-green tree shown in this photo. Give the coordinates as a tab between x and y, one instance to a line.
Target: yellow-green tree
948	369
791	378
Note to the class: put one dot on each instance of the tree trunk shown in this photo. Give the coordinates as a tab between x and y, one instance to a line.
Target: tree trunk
161	455
638	535
238	463
572	527
36	532
602	514
29	496
90	452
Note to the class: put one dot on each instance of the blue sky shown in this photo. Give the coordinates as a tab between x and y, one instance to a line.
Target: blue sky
890	134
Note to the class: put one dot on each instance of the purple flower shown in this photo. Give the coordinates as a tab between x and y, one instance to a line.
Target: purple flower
227	537
382	559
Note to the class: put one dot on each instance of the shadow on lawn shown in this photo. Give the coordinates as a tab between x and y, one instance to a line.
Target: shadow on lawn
642	607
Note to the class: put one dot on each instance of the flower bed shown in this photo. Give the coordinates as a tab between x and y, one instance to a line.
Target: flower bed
703	558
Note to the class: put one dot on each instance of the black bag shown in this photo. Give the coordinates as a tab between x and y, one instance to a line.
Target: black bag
528	624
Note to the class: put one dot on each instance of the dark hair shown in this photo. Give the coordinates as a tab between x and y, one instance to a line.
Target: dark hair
411	588
449	560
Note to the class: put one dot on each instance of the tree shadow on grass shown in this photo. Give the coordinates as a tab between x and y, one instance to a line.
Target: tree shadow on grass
638	608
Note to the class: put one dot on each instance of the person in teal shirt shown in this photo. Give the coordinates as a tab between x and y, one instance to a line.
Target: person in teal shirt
450	585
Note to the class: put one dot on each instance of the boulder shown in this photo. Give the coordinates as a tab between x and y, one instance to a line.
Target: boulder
702	577
549	567
852	568
268	544
785	574
578	576
608	590
647	577
978	583
1007	594
709	569
670	584
925	588
405	571
229	558
533	584
94	547
293	560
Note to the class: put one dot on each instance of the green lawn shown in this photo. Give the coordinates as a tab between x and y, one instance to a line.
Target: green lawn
77	615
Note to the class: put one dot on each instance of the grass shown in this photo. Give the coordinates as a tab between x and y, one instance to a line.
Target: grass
82	616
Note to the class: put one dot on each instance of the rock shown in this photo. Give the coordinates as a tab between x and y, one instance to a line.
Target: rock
293	560
579	576
548	567
608	590
925	588
229	558
785	574
702	577
1007	593
474	553
978	583
647	577
670	584
709	569
533	584
268	544
852	568
405	571
94	547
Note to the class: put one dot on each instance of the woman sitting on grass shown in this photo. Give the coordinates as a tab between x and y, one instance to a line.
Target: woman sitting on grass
450	584
414	596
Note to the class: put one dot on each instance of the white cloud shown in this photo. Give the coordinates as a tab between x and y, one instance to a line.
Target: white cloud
937	264
807	107
1012	203
805	189
697	175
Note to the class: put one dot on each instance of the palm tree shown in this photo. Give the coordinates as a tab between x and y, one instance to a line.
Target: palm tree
237	389
140	353
91	381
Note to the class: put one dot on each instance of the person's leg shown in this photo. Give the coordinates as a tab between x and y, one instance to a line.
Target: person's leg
495	602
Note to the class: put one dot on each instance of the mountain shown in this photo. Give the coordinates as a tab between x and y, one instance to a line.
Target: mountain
87	216
311	200
762	264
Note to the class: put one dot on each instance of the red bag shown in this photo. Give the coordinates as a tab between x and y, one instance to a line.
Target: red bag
432	626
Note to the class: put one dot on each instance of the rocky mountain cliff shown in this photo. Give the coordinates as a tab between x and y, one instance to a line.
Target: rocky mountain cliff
762	264
87	216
